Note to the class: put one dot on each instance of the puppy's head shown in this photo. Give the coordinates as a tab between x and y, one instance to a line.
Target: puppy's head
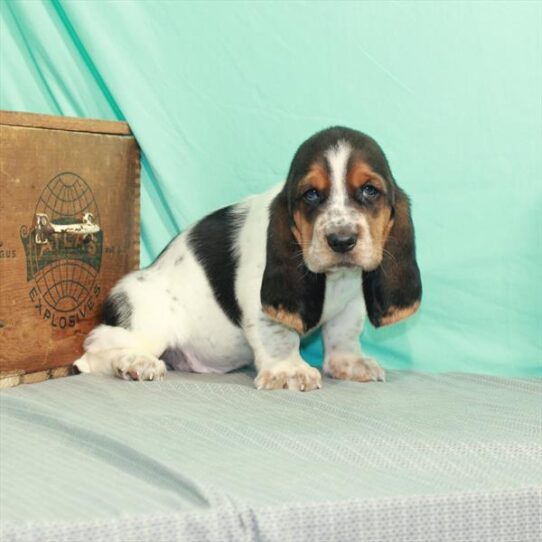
344	209
340	196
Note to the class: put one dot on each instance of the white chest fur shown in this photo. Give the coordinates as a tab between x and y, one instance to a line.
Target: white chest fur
342	287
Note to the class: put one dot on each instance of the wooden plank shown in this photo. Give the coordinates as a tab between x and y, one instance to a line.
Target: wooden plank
14	378
10	379
34	378
60	372
70	124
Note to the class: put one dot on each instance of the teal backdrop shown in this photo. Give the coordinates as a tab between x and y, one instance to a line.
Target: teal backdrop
220	94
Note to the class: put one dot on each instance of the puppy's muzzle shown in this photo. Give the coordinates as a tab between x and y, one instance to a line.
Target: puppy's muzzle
342	242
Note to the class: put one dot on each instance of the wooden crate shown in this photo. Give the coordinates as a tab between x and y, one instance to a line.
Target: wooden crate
69	229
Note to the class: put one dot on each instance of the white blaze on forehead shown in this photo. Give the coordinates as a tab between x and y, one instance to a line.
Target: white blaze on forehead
337	157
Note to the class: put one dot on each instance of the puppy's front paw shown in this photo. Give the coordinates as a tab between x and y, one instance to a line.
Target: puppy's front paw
289	375
352	367
133	366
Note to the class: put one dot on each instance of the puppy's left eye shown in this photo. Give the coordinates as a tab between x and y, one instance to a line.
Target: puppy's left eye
367	192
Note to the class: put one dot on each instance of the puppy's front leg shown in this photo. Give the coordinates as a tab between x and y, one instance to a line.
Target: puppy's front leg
343	356
277	358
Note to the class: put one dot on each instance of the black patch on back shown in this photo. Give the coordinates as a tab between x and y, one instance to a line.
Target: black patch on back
117	310
213	239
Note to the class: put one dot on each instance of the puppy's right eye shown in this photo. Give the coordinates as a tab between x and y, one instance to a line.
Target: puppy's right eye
312	197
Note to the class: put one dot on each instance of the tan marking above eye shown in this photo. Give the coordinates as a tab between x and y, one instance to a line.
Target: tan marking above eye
317	178
361	174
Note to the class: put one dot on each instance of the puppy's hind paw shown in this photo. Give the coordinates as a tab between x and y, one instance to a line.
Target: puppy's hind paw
133	366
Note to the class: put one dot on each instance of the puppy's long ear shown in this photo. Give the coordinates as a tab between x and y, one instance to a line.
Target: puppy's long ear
393	291
290	293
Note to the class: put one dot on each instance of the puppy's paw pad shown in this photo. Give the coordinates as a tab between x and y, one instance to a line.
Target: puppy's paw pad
351	367
300	377
139	367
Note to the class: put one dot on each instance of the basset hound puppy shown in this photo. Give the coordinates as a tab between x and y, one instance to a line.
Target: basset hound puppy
243	285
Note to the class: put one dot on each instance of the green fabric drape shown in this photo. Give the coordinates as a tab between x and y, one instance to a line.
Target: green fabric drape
220	94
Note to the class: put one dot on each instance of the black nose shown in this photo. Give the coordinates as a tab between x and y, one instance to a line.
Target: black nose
342	243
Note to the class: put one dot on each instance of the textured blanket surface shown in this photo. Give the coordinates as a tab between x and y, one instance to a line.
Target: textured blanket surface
422	457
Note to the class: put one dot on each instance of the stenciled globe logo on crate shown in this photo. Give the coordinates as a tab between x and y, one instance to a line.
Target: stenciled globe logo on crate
63	265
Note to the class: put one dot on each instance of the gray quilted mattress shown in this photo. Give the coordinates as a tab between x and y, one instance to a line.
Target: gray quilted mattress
423	457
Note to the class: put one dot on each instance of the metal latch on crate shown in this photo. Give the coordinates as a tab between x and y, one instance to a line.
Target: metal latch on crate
44	227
